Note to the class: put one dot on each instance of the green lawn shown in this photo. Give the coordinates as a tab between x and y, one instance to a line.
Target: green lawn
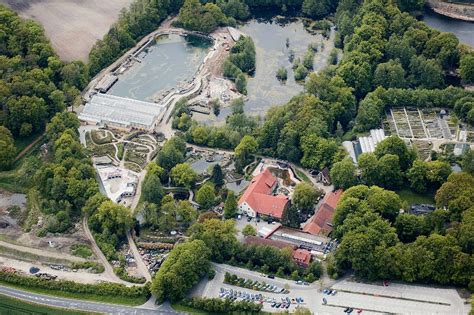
18	307
21	143
412	197
302	175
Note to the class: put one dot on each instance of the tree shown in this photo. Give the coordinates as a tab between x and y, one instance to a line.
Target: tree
300	72
369	171
410	226
111	221
468	162
247	146
343	174
282	74
396	146
230	205
185	265
206	196
316	9
304	197
249	230
152	190
428	175
426	73
183	175
290	217
390	75
467	67
172	153
410	5
219	236
7	149
391	175
217	177
318	152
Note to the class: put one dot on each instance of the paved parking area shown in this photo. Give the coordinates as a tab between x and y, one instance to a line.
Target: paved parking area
372	299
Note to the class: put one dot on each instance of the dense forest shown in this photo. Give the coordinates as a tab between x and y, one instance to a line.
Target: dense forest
34	83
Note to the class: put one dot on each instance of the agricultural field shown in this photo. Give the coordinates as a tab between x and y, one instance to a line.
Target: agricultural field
72	26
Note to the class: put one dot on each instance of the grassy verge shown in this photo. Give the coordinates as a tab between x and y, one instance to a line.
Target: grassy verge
302	175
79	296
15	306
411	197
186	309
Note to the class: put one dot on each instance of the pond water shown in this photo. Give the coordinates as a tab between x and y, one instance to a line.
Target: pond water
270	36
238	186
463	30
169	62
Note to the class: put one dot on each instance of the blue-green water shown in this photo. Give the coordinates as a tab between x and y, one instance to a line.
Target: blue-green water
170	62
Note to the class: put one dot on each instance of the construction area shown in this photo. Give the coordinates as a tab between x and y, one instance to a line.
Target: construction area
206	84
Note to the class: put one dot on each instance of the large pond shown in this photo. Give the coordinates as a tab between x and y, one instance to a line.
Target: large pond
164	65
270	38
463	30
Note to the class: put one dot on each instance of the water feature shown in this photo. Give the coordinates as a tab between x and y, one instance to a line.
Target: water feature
463	30
237	186
165	64
270	36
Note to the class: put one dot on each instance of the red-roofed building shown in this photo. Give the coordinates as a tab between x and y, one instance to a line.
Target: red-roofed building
321	222
258	198
302	257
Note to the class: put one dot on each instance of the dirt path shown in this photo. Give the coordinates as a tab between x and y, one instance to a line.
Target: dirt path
138	258
42	252
28	148
109	271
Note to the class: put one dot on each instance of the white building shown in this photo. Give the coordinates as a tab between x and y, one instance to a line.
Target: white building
120	112
118	183
364	144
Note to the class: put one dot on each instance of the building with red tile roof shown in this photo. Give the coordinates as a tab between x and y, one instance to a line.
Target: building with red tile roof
258	198
302	257
321	222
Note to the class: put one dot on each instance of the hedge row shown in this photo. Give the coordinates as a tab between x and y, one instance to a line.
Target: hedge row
101	289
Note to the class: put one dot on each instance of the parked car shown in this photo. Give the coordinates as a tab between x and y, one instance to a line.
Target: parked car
333	292
325	291
271	276
299	282
325	301
359	311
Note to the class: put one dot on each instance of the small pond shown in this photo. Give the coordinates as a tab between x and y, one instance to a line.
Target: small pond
165	64
238	186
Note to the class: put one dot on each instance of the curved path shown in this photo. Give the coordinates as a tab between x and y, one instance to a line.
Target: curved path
142	268
85	306
109	271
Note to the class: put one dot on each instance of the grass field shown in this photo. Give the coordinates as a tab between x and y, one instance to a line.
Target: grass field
184	309
412	197
17	307
72	26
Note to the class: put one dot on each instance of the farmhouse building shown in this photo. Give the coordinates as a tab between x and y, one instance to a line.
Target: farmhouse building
259	198
321	222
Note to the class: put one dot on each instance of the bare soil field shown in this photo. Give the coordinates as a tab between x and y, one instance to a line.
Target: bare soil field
73	26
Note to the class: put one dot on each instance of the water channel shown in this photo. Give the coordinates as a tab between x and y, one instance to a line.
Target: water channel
165	64
463	30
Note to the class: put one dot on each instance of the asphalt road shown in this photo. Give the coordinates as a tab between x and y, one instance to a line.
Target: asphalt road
86	306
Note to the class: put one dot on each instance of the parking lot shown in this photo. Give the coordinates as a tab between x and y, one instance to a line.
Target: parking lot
370	298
